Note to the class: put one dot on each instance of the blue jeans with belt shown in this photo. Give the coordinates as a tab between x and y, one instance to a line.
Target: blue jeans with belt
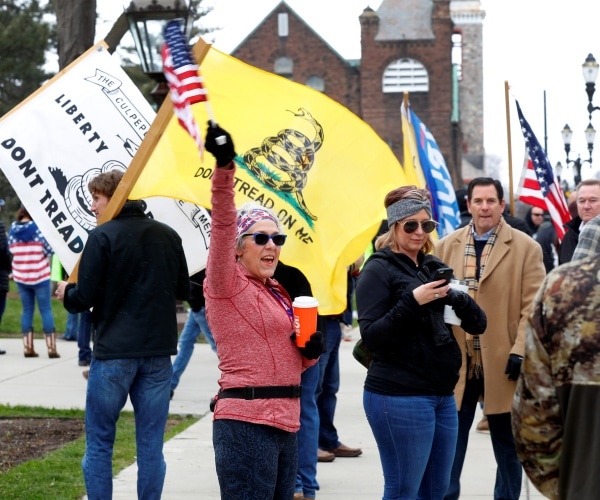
416	438
111	381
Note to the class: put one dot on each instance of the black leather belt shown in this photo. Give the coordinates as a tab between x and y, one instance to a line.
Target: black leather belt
268	392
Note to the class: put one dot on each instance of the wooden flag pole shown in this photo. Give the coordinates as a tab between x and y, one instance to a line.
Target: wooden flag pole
508	137
140	159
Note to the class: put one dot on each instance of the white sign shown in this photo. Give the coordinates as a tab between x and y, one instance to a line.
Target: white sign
88	119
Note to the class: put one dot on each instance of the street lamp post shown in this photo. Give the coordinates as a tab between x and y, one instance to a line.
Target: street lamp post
567	135
590	74
590	70
147	19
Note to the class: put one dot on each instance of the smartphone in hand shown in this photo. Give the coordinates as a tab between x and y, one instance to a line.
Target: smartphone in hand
443	273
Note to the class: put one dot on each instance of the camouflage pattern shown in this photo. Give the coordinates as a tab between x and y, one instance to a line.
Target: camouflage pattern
555	416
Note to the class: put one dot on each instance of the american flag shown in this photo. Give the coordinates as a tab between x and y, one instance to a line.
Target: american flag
183	78
538	186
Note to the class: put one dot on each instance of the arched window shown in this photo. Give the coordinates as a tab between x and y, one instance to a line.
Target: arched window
405	75
316	82
284	66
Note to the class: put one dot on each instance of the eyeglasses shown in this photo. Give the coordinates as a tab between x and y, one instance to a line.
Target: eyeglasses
262	238
537	215
410	226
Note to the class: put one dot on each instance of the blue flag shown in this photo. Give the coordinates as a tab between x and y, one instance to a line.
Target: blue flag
443	198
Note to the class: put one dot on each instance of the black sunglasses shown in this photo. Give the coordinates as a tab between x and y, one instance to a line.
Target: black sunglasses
262	238
410	226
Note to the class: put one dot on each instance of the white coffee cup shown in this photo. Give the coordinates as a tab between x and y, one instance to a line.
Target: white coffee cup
450	316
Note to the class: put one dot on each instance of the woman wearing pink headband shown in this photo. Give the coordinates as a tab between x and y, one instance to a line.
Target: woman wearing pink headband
257	409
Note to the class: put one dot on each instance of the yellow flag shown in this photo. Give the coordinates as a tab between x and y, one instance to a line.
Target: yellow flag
412	164
323	170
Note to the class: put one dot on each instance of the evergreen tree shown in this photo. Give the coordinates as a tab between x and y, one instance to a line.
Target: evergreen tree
25	38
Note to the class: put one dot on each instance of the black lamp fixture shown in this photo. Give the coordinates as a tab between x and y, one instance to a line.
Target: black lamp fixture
567	136
147	19
590	70
590	74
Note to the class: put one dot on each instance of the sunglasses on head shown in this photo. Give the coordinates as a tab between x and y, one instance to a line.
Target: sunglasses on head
262	238
410	226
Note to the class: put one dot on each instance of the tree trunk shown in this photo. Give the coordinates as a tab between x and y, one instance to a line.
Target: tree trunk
75	27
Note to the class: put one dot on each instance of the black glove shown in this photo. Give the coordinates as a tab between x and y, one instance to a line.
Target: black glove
513	367
219	143
314	347
456	299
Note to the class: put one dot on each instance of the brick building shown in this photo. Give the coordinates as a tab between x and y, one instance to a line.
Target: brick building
430	48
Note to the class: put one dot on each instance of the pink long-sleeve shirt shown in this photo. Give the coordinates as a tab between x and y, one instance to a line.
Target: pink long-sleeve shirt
250	325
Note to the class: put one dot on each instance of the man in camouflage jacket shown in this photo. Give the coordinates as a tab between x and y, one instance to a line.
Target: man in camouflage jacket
557	401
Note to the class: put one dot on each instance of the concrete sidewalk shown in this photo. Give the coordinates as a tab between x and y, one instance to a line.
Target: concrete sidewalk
190	461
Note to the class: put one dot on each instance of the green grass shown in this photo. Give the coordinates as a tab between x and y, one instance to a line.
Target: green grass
11	320
58	474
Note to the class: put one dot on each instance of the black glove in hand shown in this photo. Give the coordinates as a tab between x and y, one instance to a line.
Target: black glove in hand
219	143
513	367
314	347
456	299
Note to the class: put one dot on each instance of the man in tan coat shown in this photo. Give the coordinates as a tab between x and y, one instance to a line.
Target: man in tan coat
504	269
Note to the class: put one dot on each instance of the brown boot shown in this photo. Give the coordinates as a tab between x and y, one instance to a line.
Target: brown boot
28	345
51	345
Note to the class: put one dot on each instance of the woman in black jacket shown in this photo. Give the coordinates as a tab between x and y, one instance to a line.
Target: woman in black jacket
408	393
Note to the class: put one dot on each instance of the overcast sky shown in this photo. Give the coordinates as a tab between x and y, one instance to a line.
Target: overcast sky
535	45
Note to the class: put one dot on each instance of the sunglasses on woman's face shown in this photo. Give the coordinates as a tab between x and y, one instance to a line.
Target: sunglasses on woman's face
262	238
410	226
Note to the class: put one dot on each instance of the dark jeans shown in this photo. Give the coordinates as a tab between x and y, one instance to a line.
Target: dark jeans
2	303
308	435
84	336
254	462
329	384
509	473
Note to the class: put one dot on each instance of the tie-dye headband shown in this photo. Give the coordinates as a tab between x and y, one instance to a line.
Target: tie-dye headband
251	217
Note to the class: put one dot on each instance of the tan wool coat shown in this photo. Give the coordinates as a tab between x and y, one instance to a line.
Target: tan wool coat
513	274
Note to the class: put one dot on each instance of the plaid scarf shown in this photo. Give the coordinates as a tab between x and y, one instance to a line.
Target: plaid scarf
470	276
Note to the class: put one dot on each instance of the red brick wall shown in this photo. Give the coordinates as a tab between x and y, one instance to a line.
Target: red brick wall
311	56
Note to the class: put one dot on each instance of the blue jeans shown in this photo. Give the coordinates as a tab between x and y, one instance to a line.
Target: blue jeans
329	384
416	438
146	382
308	435
254	462
29	295
84	336
72	326
195	323
509	473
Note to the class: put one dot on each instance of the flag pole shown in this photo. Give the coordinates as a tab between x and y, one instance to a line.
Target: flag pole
508	138
142	155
